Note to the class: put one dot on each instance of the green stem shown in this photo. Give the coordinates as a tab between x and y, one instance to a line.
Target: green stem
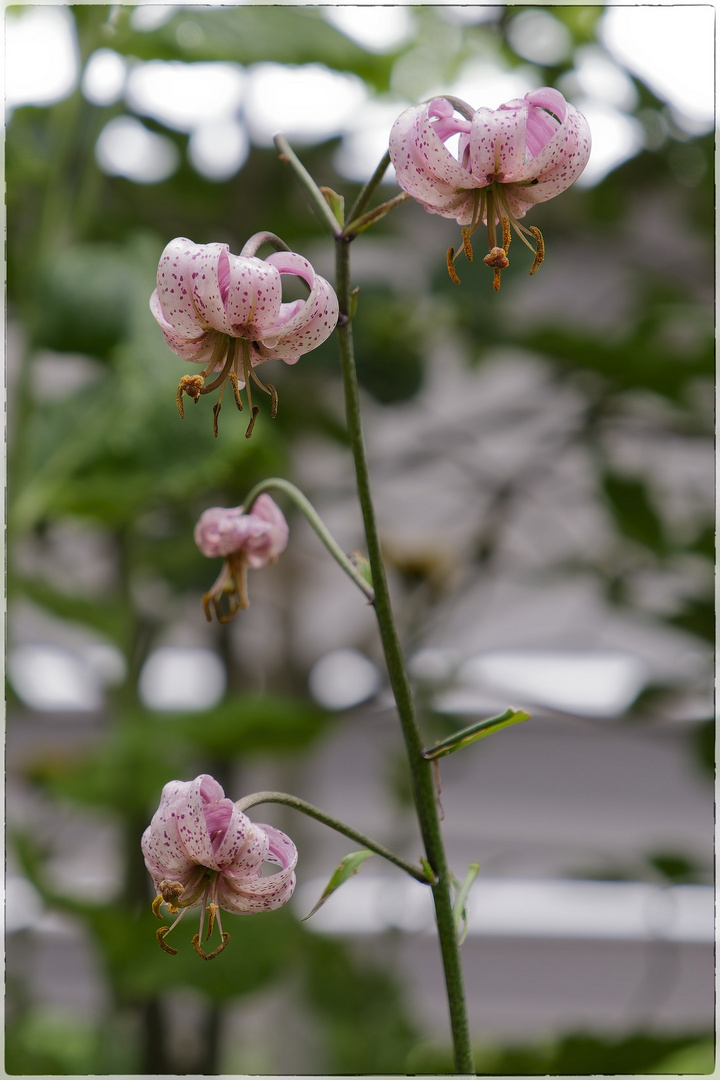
319	202
327	819
367	191
421	770
276	483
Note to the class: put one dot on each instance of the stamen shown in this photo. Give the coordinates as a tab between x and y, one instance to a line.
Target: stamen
227	594
236	389
479	199
160	935
467	246
215	413
247	369
496	279
192	385
223	374
269	389
540	251
507	234
212	912
156	906
216	952
251	425
220	346
450	257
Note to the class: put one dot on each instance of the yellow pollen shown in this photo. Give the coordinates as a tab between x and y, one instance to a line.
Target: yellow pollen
160	934
467	246
450	257
507	234
212	913
191	385
540	249
236	390
216	952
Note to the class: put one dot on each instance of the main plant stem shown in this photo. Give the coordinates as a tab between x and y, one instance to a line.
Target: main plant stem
423	785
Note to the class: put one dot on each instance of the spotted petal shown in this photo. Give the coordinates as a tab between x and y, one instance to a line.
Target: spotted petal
243	894
302	325
254	297
424	167
175	288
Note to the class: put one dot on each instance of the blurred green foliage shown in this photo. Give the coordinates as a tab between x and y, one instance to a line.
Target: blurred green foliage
112	457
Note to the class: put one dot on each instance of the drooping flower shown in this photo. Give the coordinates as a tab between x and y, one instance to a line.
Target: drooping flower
226	312
246	541
509	159
201	851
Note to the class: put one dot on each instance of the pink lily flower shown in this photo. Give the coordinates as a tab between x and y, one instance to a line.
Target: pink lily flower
201	851
245	540
226	312
526	152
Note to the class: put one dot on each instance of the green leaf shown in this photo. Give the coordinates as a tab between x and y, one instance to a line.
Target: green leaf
336	203
460	908
349	866
474	732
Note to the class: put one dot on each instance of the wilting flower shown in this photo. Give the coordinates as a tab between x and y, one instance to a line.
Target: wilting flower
246	541
525	152
201	851
226	312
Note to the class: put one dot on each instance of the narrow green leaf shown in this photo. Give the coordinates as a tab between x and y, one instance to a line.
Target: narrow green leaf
475	731
460	908
347	869
336	203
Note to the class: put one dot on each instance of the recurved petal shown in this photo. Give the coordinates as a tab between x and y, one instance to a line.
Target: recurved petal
424	167
206	277
197	348
164	849
174	288
267	510
282	849
254	296
239	836
562	160
248	857
304	327
254	894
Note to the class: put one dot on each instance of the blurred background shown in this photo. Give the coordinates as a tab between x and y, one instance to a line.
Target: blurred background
543	468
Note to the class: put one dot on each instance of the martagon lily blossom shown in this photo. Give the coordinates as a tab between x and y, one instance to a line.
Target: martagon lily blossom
226	312
246	541
525	152
202	851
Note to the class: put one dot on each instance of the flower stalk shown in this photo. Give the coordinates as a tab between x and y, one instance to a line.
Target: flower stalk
417	872
304	505
421	770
